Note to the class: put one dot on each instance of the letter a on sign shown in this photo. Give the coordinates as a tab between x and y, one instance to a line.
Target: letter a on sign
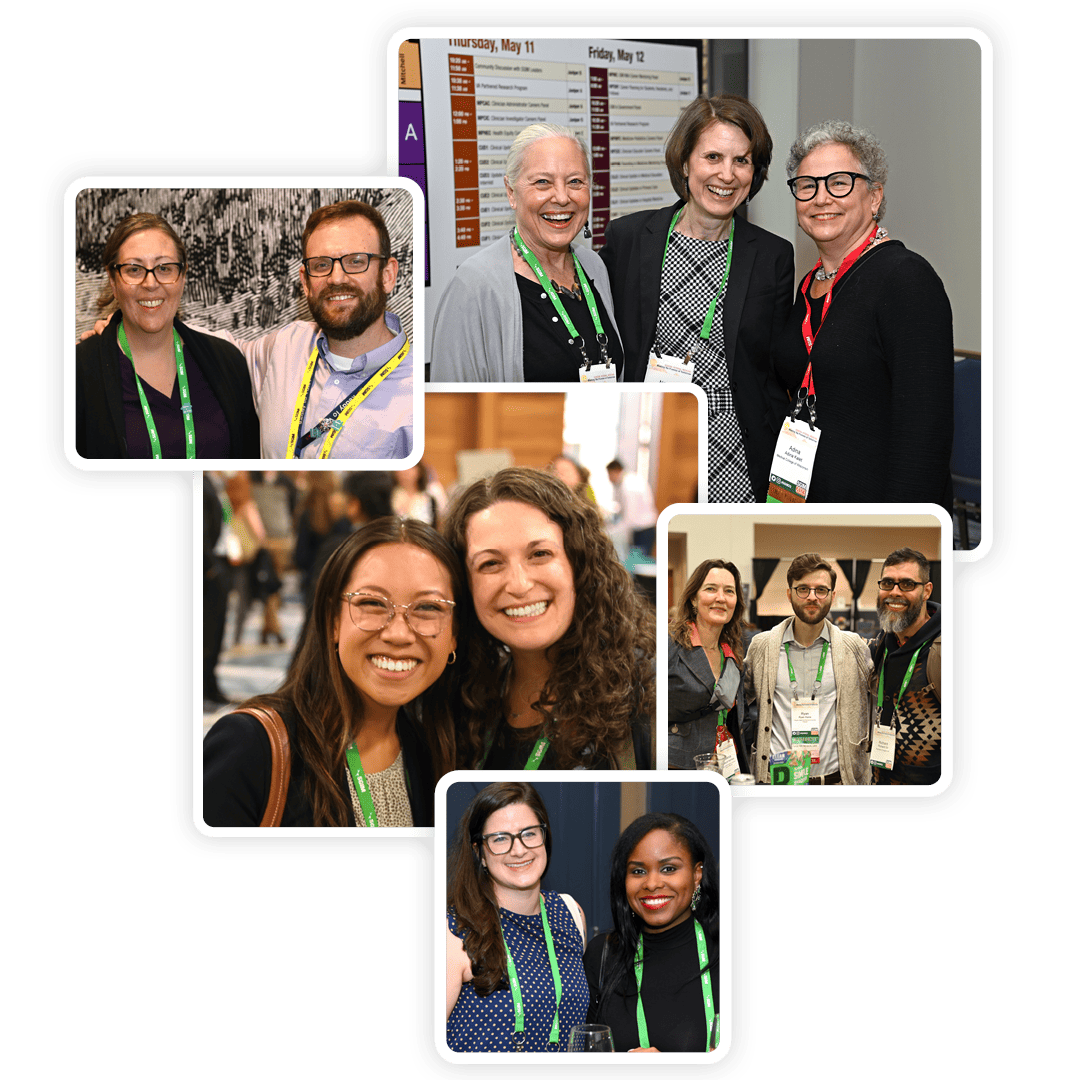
410	133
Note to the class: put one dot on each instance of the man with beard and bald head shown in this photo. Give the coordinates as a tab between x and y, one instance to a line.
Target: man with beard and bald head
808	675
907	673
341	386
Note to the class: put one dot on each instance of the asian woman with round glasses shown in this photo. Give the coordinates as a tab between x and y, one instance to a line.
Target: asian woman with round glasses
365	698
870	334
514	975
148	386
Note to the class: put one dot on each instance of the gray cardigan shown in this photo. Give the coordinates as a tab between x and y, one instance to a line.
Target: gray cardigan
852	669
477	335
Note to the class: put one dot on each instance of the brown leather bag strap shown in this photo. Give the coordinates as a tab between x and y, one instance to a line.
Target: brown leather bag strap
280	762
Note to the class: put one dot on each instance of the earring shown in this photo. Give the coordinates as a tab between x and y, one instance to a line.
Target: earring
452	658
696	898
588	231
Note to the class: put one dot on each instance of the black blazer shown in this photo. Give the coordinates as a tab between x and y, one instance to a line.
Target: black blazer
690	687
759	296
99	405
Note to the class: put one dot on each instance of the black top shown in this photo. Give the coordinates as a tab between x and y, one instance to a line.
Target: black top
512	746
236	774
670	991
546	354
883	373
219	380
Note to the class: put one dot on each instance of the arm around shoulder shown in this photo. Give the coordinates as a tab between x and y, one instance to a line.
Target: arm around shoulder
458	969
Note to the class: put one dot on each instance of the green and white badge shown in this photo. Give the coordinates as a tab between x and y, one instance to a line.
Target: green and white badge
883	750
804	727
669	369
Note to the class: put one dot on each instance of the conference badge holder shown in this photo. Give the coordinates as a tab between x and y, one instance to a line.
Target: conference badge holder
602	372
669	369
883	750
804	727
726	757
796	446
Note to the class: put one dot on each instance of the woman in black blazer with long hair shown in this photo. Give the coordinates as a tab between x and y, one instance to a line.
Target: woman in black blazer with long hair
691	280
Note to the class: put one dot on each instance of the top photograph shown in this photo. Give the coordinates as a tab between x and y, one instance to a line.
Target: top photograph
714	212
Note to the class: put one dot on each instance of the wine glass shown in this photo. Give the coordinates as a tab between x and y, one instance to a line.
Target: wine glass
591	1037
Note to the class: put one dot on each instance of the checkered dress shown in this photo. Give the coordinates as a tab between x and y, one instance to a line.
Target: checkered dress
692	273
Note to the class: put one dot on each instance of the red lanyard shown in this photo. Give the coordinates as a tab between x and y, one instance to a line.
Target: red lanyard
809	335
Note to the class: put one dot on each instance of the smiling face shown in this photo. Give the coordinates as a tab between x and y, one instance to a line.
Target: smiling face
521	580
394	665
520	869
836	225
345	305
719	170
716	599
550	197
661	876
811	610
148	307
900	611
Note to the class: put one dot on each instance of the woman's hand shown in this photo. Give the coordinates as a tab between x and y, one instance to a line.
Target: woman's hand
643	1050
99	327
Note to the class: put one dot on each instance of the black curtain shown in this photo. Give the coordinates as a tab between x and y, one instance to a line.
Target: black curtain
762	570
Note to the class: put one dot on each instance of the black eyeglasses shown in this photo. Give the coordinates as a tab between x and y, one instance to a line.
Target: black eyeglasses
428	617
887	584
164	273
323	265
837	184
499	843
820	591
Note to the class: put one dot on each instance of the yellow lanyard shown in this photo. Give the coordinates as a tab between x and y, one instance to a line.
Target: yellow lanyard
335	421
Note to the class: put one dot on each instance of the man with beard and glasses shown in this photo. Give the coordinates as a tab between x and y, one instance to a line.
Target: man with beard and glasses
341	386
811	681
907	674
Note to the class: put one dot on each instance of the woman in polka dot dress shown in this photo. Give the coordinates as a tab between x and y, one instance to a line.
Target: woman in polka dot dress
514	974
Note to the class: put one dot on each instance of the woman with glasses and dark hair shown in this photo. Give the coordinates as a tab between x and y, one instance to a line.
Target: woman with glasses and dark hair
701	296
530	306
869	336
560	673
514	977
365	698
706	704
653	979
148	386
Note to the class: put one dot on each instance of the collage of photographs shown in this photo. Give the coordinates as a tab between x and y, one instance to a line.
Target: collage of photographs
434	556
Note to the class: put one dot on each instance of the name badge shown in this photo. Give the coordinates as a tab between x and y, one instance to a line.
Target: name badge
793	462
883	750
597	373
804	727
669	369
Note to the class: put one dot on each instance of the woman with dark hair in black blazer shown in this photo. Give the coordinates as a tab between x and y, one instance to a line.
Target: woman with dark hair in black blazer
654	978
692	284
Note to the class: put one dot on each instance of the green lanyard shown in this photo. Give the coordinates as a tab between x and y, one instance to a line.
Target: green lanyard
706	328
363	791
904	682
721	716
185	395
553	296
515	986
706	986
540	748
820	670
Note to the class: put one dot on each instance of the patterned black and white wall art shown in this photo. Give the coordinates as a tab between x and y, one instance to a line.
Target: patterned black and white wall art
243	248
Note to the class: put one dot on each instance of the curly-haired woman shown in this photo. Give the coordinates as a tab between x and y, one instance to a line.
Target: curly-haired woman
559	673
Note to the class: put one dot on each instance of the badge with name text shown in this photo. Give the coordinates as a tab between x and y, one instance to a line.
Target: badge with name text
804	727
883	751
793	462
669	369
597	373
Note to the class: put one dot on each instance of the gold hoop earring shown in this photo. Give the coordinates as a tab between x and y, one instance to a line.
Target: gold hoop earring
452	658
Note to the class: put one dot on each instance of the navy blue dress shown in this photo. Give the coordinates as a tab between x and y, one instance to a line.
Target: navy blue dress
487	1023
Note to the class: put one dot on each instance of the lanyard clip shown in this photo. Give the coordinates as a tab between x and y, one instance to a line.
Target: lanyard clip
602	340
585	361
519	1040
810	400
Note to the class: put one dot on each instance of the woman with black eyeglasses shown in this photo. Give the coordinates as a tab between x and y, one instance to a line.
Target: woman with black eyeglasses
362	715
868	341
514	973
148	386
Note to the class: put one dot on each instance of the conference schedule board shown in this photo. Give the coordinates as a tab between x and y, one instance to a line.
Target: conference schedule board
462	101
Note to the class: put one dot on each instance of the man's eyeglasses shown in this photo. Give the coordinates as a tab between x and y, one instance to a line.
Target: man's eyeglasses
428	617
499	843
887	584
837	184
820	591
323	265
164	273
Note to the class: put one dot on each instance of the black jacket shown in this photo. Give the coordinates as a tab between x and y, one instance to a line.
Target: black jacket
99	406
759	295
236	774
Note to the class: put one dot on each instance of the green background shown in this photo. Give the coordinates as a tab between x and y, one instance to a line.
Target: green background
127	957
